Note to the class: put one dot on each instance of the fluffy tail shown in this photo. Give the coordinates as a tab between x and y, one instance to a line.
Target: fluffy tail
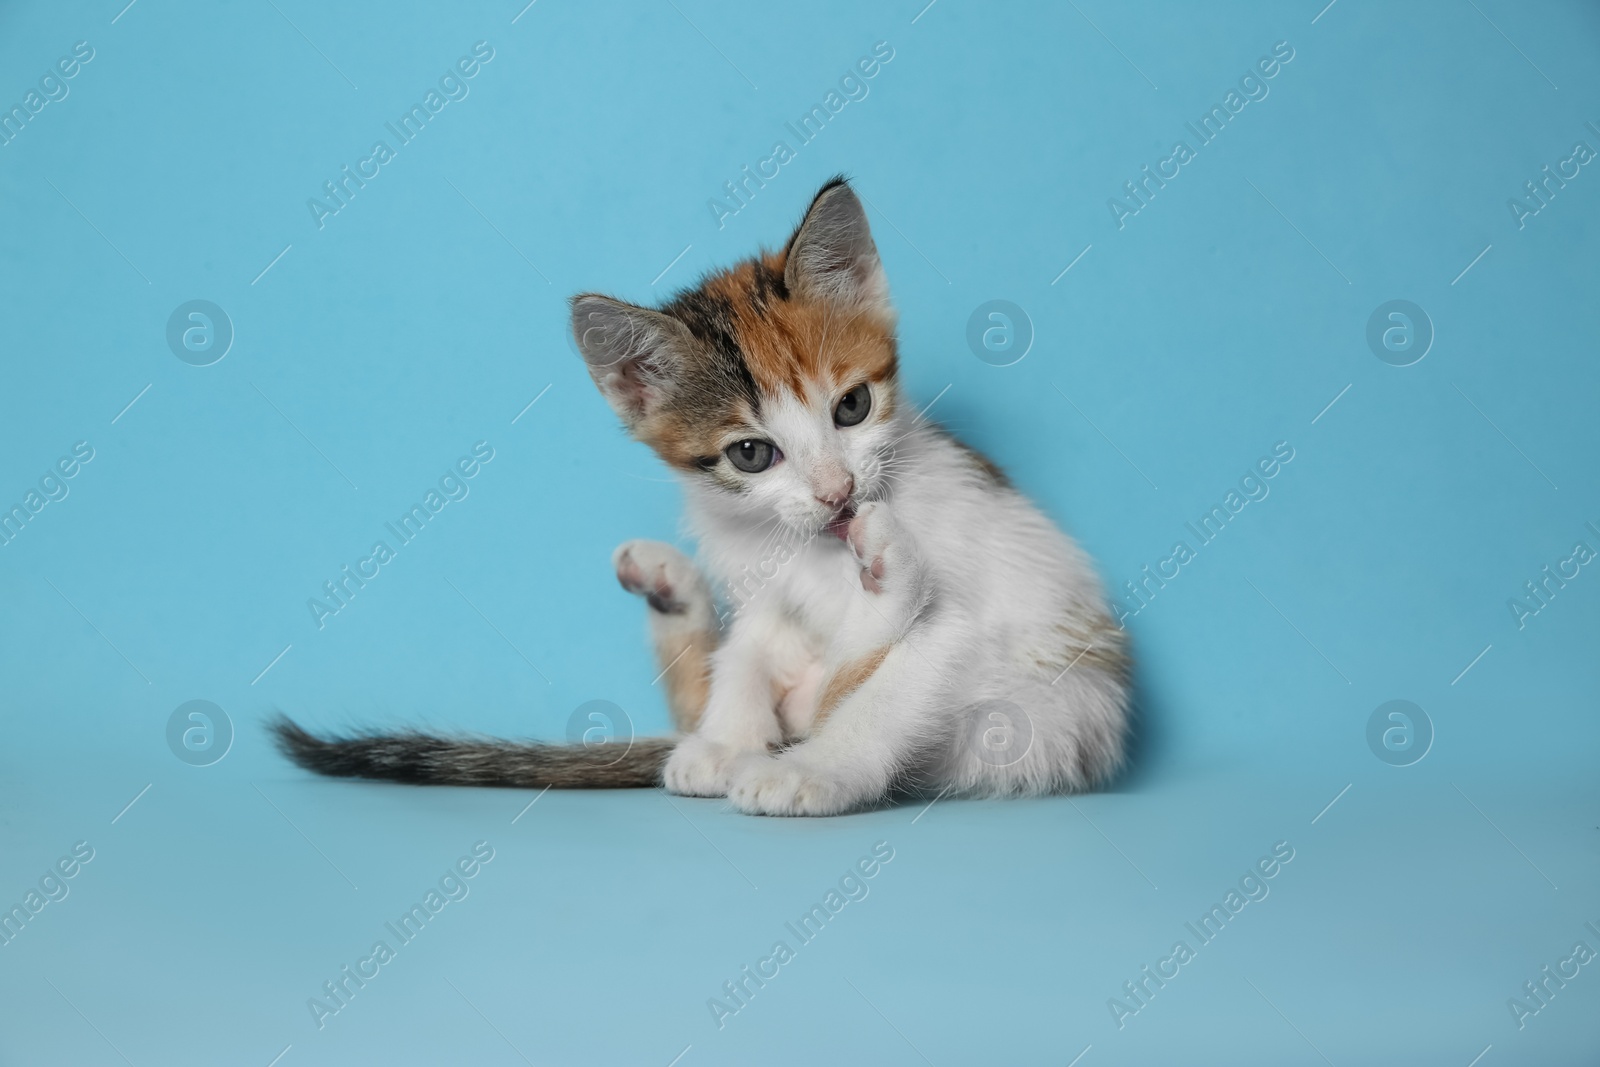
422	759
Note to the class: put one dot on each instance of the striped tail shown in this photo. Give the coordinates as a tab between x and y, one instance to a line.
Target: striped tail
422	759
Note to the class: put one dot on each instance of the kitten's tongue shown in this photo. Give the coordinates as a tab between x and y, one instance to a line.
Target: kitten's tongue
839	525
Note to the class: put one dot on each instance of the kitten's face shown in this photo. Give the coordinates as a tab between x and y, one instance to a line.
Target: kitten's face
772	384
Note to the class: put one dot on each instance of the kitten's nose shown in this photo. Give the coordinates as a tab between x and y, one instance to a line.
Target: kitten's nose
835	493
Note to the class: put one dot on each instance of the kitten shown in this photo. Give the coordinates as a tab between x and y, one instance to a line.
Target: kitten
897	616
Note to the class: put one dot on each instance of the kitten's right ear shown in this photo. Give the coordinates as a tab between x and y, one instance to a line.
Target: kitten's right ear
630	351
832	255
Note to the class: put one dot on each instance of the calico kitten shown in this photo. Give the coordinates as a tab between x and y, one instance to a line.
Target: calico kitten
895	614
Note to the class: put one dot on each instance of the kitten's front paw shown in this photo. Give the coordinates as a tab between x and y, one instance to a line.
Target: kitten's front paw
786	785
697	768
661	574
871	537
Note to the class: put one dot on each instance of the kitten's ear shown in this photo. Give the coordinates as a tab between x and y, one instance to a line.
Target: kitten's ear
631	352
832	257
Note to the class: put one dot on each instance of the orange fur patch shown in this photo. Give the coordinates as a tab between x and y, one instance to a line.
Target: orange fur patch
790	345
685	659
847	680
813	349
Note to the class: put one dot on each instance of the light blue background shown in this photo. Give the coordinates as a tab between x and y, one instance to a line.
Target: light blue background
429	312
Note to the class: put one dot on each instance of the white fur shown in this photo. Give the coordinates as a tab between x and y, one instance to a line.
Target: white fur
978	593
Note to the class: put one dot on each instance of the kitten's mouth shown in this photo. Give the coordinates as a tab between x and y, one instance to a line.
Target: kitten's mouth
839	525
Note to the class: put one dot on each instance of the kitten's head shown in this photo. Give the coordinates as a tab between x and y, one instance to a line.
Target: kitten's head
771	384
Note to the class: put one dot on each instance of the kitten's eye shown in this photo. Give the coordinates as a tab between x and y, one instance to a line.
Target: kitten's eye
752	457
853	406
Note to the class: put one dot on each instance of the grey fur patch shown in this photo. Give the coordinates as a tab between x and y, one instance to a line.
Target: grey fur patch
718	369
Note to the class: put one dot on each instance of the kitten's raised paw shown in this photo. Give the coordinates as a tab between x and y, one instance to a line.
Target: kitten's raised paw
697	768
871	539
665	577
786	785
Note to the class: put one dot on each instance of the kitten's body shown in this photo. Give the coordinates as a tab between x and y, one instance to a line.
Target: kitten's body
901	617
1001	610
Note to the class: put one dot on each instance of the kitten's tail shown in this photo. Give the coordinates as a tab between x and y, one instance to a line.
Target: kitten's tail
423	759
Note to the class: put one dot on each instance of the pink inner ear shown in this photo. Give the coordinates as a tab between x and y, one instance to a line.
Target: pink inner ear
630	388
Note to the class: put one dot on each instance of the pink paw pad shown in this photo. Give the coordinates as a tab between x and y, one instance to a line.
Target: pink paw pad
648	580
868	538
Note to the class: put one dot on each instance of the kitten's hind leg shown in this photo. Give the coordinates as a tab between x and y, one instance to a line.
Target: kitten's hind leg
683	622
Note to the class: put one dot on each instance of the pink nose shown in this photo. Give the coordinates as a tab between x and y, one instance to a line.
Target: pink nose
837	493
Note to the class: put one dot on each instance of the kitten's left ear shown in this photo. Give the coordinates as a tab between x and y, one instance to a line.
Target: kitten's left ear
632	353
832	256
